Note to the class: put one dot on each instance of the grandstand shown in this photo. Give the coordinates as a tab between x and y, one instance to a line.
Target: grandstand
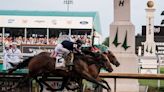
39	28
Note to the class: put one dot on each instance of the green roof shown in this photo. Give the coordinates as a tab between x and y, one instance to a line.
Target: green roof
94	15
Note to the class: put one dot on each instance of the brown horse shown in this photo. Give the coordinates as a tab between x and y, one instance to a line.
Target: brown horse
42	64
94	69
112	58
95	73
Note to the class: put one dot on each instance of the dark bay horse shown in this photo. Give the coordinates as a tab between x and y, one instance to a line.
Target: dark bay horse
112	58
42	64
94	69
94	72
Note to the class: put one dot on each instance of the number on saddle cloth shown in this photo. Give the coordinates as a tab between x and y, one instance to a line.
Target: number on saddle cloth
60	62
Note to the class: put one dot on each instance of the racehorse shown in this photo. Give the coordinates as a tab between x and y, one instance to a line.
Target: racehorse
42	64
112	58
94	69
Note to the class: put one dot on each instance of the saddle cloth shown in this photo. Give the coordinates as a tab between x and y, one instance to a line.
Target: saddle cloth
60	62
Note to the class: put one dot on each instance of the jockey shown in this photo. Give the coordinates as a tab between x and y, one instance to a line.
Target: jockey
16	54
7	57
79	45
63	49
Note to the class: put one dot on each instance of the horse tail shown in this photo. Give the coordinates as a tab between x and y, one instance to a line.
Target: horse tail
20	65
24	63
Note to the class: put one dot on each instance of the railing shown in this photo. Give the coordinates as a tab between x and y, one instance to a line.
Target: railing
130	76
156	65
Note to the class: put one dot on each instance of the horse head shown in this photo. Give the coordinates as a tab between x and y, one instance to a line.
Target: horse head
105	62
112	58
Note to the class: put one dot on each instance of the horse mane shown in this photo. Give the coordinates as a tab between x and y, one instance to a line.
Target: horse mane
88	52
87	57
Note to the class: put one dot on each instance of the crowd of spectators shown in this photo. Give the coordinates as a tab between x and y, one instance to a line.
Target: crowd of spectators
42	41
30	40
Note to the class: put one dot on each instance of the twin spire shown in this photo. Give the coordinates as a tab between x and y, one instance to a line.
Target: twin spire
116	43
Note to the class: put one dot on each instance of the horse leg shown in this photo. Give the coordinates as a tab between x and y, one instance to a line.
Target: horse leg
81	85
103	81
88	77
106	84
75	85
65	82
40	84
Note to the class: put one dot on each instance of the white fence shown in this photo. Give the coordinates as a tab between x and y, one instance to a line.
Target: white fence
151	66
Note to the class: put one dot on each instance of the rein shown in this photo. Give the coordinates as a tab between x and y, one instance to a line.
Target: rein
94	58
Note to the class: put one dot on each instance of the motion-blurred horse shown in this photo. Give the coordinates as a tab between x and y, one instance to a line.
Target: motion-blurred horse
112	58
94	69
42	64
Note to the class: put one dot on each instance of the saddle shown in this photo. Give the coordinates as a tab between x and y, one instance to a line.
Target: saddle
68	62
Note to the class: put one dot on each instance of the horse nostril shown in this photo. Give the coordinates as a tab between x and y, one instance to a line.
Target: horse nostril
118	64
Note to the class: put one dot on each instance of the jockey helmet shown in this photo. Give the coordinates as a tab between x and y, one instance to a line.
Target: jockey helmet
79	43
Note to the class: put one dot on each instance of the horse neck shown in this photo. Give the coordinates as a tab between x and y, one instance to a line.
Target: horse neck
92	61
92	65
94	70
96	63
98	67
